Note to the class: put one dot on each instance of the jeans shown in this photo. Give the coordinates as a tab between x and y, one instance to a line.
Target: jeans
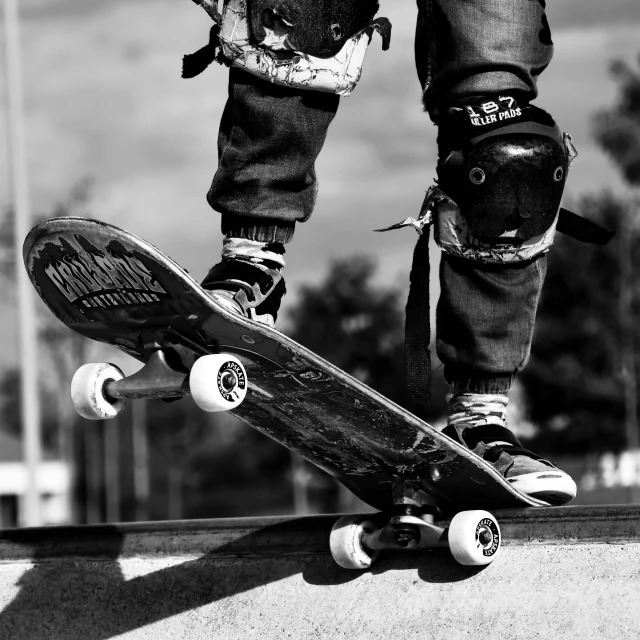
484	321
270	137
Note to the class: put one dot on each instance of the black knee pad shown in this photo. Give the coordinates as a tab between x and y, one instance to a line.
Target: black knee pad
504	167
302	44
317	27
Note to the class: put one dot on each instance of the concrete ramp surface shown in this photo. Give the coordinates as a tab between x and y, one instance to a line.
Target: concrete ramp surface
564	573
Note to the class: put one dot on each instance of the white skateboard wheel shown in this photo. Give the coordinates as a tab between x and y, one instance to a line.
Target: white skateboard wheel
474	537
87	391
345	542
218	382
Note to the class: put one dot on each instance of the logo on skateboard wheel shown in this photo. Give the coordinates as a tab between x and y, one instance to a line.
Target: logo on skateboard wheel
488	537
230	378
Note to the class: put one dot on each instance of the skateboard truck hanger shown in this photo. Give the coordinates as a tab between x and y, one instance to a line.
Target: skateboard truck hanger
155	380
217	382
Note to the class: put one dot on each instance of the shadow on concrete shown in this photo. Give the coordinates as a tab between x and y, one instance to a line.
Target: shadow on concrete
88	597
434	566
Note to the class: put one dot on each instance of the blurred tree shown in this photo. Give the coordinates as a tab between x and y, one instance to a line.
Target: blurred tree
236	471
10	411
573	381
199	465
359	327
63	350
617	129
581	382
618	132
75	204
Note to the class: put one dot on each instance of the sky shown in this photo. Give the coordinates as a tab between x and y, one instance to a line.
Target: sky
104	99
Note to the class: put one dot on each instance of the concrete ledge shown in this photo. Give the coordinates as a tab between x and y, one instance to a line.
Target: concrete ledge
289	535
571	525
557	576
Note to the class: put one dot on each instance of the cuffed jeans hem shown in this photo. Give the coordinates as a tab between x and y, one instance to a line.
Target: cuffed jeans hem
478	384
255	229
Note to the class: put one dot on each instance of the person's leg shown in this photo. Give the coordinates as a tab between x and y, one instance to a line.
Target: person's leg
503	164
270	137
485	321
468	48
274	125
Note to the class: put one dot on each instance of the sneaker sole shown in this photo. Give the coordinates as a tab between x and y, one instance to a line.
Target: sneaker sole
554	487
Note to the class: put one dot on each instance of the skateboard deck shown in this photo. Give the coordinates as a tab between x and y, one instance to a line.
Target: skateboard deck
114	287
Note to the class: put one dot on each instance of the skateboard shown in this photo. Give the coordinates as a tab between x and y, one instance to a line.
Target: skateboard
113	287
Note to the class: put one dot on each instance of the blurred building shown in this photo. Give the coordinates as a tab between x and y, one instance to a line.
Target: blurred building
605	479
54	482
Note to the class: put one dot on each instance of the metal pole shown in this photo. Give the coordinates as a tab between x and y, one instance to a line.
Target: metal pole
141	484
112	469
27	345
93	472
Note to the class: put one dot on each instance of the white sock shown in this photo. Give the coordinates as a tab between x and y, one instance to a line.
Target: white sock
477	409
252	251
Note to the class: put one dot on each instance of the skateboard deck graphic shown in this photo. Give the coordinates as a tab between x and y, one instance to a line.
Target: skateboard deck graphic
113	287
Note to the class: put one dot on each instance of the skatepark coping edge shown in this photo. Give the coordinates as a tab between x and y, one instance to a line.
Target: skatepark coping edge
292	535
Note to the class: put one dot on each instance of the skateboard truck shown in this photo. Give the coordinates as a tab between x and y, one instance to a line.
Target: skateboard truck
473	537
156	379
217	382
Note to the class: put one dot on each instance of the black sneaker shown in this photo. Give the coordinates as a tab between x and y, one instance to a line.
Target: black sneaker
478	421
251	289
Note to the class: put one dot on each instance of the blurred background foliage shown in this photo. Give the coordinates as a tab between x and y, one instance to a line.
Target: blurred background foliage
578	393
